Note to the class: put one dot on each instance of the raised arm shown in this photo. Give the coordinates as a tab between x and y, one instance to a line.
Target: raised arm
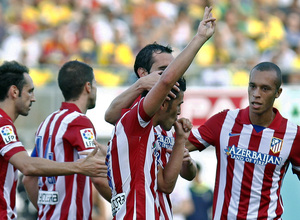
179	65
126	98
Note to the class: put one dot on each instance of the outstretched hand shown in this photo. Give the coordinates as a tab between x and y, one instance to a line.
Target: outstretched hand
94	164
207	26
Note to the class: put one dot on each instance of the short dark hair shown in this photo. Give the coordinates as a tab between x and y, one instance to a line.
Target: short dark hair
144	58
72	77
11	73
182	87
266	66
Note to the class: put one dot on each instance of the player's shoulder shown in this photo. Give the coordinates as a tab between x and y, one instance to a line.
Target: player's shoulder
222	113
81	119
5	122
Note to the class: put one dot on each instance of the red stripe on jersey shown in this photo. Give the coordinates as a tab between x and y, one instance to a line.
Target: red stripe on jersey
3	173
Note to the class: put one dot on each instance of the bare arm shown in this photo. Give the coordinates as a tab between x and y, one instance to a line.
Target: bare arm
179	65
167	177
190	146
101	184
92	165
188	169
32	189
126	98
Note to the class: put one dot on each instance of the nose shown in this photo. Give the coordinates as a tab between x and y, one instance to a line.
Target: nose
179	111
33	98
256	92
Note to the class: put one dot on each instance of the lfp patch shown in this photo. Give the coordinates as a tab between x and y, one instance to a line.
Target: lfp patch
7	133
88	137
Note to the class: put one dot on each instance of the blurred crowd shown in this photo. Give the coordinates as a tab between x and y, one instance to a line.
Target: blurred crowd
107	34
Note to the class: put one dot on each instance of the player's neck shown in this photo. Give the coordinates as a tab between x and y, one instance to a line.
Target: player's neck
9	108
80	104
264	119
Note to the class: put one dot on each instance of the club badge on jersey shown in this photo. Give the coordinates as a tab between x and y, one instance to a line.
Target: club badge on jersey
8	134
276	145
88	137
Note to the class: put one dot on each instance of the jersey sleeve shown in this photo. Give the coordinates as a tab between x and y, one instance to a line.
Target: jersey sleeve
9	141
136	121
208	133
80	134
295	155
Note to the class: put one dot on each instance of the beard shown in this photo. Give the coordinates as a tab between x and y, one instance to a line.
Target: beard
91	104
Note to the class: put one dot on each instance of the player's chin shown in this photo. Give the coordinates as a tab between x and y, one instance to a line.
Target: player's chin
167	126
24	113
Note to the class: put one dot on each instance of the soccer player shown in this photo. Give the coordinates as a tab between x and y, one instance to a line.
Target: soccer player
16	97
149	63
61	137
254	147
132	162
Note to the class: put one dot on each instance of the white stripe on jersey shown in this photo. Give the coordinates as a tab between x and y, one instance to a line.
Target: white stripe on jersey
258	174
198	136
224	136
8	147
238	174
9	181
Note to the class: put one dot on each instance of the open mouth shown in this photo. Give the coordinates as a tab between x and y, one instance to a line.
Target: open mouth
256	104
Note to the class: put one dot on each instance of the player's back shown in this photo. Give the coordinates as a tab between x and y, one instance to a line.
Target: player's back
60	137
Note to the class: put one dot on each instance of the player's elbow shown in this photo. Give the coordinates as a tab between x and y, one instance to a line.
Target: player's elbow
109	118
28	170
167	81
166	188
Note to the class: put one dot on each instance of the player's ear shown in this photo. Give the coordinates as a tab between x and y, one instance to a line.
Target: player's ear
142	72
279	91
165	105
88	86
13	91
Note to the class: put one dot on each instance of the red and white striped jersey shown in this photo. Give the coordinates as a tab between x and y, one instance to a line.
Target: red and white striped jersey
132	166
164	140
252	162
9	145
60	137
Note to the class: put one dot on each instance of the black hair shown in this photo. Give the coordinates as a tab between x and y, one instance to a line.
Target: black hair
72	77
144	58
182	87
11	73
266	66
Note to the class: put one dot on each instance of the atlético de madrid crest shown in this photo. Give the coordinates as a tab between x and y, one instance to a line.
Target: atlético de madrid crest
276	145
